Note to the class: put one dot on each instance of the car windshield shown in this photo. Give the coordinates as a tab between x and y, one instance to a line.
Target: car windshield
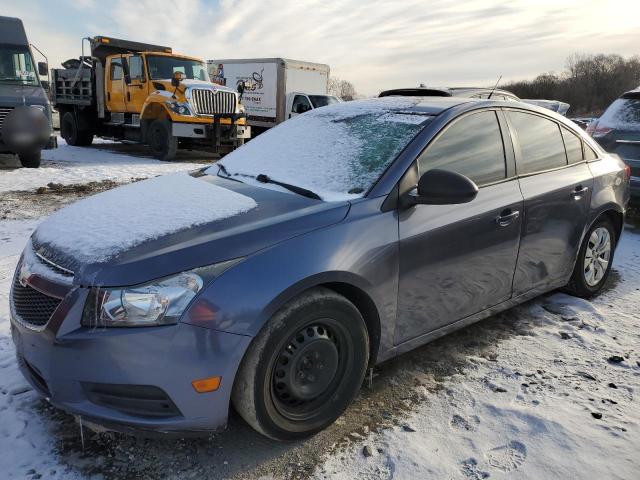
322	100
338	152
161	67
624	113
16	65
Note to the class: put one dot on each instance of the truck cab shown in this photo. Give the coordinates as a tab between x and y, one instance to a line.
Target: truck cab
299	102
25	111
146	93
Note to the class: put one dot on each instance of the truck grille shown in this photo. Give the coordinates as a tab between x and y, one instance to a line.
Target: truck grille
31	306
4	111
209	102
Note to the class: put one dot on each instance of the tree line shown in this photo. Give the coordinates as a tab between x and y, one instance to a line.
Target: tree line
589	83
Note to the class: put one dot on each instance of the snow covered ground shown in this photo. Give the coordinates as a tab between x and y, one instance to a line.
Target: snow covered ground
77	165
546	390
559	400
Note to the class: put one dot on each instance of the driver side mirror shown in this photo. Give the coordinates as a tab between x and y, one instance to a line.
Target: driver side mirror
176	79
43	68
442	187
301	108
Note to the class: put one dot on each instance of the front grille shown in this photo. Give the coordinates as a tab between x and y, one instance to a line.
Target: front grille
209	102
4	111
31	306
138	400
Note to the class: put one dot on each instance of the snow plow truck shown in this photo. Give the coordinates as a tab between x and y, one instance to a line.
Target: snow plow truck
136	92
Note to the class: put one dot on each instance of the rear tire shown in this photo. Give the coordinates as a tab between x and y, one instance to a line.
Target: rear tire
304	368
163	145
30	160
71	134
595	257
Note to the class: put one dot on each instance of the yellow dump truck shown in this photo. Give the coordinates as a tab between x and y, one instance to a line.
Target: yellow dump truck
137	92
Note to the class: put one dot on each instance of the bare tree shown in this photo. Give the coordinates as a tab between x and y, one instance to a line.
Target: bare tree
589	83
342	89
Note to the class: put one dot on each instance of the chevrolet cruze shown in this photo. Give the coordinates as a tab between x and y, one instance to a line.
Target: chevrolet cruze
273	279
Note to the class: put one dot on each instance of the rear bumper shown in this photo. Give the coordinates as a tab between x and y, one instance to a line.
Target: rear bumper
68	363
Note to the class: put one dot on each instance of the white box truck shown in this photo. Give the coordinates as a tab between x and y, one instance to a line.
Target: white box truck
275	89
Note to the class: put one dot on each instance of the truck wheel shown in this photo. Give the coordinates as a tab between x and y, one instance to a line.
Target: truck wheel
163	145
71	134
30	160
304	368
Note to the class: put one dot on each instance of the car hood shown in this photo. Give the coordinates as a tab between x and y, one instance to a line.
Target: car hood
275	217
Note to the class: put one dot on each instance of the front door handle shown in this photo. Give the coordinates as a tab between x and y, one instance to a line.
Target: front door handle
579	191
507	217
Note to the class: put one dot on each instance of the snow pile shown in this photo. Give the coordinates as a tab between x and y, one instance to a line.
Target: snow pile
101	226
336	151
68	165
556	400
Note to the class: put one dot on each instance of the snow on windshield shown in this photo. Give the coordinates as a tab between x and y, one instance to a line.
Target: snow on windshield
337	151
99	227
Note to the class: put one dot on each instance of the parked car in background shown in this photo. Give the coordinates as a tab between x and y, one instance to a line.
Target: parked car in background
274	89
274	278
554	105
618	131
583	122
25	110
470	92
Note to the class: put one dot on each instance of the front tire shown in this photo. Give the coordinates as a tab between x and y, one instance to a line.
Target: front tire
72	134
594	260
163	145
30	160
304	368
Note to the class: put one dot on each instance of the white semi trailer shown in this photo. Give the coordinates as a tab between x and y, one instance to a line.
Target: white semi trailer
275	89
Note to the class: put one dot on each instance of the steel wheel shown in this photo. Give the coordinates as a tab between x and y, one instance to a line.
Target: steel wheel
308	369
597	256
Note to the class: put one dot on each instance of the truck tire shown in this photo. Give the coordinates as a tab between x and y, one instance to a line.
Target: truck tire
163	145
71	134
30	160
304	368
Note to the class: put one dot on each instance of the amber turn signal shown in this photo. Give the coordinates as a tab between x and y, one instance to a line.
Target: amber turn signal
204	385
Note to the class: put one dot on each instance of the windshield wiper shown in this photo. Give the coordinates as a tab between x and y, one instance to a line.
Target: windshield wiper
227	175
262	178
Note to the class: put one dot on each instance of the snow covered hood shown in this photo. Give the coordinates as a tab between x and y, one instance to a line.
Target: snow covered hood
101	227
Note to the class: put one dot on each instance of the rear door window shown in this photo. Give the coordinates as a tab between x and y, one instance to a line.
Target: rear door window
472	146
589	153
573	146
541	144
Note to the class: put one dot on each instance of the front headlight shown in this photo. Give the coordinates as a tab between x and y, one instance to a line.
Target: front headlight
181	108
160	302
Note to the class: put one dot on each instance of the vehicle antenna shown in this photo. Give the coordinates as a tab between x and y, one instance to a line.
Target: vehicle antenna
496	86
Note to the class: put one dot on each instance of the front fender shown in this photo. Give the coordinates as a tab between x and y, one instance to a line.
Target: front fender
361	251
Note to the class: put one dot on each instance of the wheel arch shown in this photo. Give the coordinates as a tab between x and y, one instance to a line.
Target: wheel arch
351	287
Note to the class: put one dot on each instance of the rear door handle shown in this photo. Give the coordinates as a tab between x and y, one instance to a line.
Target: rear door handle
507	217
579	191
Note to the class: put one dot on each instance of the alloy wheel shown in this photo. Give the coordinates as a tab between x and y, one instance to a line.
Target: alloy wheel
597	256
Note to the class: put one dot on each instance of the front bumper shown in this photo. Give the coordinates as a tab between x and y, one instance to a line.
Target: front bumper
65	362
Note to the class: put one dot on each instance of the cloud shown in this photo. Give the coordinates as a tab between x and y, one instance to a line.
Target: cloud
376	44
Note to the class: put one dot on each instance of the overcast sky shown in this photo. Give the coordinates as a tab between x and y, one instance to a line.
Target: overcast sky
375	44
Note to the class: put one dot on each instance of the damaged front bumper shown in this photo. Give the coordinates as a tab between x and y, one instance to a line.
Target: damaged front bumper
126	379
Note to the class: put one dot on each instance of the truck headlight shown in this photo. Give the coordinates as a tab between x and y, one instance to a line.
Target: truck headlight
181	108
160	302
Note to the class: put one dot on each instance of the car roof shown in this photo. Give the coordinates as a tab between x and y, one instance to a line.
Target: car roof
442	92
635	93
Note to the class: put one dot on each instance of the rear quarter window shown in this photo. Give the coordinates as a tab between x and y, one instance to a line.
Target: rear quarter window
541	145
573	146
